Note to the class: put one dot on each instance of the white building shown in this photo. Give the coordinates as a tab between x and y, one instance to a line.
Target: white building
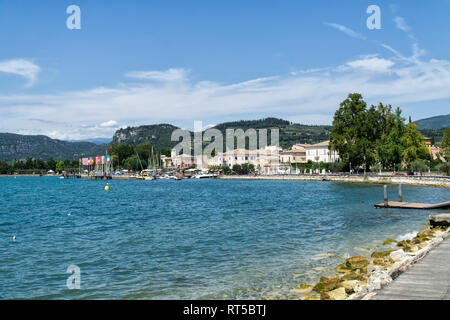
320	152
266	161
297	154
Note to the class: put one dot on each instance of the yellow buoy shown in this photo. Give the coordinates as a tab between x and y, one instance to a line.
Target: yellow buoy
106	188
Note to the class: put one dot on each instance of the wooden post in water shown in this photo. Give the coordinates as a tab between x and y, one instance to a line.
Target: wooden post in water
385	196
400	197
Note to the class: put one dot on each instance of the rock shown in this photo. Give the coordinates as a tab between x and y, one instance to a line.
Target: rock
378	261
400	265
438	233
351	286
403	268
310	297
381	254
378	280
423	245
357	262
336	294
423	236
382	258
405	245
304	288
327	284
439	220
397	255
373	268
354	276
389	241
343	268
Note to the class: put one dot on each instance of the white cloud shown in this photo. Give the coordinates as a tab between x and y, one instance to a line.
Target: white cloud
21	67
345	30
108	124
416	50
372	64
401	24
310	97
163	76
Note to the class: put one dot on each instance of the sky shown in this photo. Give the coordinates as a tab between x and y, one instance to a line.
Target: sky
147	62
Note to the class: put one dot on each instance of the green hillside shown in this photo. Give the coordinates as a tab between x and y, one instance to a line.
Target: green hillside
16	146
159	135
434	127
290	133
437	122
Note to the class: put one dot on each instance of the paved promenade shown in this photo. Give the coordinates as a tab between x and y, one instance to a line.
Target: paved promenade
428	279
441	181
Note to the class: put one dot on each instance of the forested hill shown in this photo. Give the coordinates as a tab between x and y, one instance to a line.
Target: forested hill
160	135
434	127
437	122
16	146
290	133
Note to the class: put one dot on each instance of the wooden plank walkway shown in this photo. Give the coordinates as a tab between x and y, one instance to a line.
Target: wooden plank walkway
414	205
428	279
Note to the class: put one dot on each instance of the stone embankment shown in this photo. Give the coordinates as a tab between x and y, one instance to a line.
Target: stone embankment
441	181
359	278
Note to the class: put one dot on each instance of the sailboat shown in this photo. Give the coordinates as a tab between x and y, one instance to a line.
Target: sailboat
148	176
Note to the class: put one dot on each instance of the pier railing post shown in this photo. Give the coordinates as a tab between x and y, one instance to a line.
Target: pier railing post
400	196
385	196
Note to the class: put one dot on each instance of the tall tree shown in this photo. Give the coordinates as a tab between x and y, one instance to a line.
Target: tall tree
390	147
122	151
414	145
60	165
445	144
51	164
354	131
144	151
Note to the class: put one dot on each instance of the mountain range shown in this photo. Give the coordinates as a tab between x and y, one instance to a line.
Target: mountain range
15	146
434	123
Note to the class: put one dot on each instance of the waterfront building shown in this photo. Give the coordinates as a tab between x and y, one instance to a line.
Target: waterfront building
321	152
436	153
297	154
166	161
237	156
182	160
266	160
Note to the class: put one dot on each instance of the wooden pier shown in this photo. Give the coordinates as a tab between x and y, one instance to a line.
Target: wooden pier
408	205
413	205
428	279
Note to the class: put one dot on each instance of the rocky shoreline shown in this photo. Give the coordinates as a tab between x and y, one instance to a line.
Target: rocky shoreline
359	277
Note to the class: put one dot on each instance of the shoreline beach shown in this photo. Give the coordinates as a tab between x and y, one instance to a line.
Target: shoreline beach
362	278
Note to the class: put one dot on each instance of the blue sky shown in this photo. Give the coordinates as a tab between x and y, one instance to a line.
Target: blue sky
144	62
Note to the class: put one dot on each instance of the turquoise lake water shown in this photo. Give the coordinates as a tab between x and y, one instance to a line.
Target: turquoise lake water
190	239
